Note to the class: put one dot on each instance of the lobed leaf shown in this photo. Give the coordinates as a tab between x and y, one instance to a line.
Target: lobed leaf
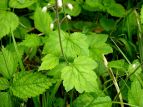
80	75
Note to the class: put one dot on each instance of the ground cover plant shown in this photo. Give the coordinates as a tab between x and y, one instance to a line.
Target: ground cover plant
71	53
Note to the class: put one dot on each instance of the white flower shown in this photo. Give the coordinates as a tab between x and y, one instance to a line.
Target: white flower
70	6
44	9
68	16
59	3
51	26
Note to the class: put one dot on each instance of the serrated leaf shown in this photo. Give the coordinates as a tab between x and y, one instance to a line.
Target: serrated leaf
80	75
42	20
141	15
49	62
31	40
21	3
5	99
4	84
135	94
73	45
8	22
8	64
116	10
98	47
89	100
28	84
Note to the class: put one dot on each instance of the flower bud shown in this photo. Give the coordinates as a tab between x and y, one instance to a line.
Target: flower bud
44	9
51	26
68	16
59	3
70	6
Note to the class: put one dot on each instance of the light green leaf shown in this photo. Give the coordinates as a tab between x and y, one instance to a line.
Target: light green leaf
4	84
42	20
49	62
134	69
135	94
8	22
31	40
5	99
98	47
141	15
28	84
116	10
76	8
21	3
8	64
80	75
118	64
90	100
73	45
3	4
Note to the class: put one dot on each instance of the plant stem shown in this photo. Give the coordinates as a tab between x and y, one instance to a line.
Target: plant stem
59	32
140	37
17	52
114	80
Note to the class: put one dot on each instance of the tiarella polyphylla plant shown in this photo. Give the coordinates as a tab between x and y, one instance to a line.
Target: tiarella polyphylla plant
77	53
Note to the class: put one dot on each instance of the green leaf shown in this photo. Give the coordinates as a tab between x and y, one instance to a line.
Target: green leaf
118	64
116	10
49	62
98	47
107	24
90	100
21	3
76	9
3	4
73	45
5	99
8	22
95	4
42	20
31	40
80	75
28	84
4	84
135	94
8	64
141	15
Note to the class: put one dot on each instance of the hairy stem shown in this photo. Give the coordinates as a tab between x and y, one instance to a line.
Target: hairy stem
59	32
114	81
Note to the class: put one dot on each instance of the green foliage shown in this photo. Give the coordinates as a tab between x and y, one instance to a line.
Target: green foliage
28	84
135	94
5	99
92	100
80	75
42	20
49	62
4	84
21	3
9	22
77	53
9	63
